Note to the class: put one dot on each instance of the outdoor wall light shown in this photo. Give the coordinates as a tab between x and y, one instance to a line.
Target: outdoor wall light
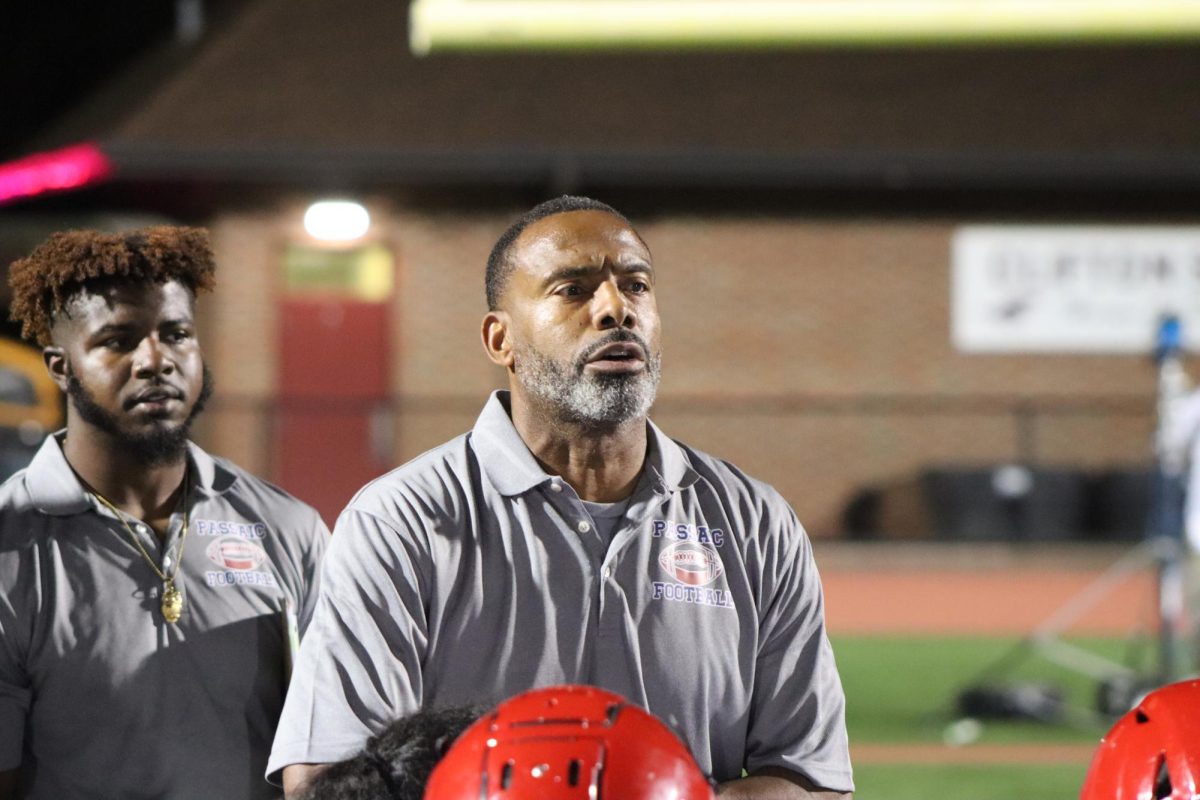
336	220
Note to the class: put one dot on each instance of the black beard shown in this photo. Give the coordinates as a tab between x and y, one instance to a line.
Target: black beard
154	449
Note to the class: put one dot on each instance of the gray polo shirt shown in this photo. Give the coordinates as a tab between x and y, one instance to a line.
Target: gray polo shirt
99	695
469	574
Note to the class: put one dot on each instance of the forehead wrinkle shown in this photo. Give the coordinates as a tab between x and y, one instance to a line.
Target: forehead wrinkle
571	273
557	227
624	242
582	257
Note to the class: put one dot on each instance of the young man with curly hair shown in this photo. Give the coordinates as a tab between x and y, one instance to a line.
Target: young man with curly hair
150	594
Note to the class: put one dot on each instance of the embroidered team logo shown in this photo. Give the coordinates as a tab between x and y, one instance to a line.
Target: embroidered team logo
691	563
227	527
234	553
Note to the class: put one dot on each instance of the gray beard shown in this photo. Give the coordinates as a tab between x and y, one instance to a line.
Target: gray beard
589	399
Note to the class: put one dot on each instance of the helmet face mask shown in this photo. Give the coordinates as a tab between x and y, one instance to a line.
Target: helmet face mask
568	743
1153	752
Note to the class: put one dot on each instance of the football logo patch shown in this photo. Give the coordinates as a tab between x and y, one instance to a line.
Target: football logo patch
234	553
691	563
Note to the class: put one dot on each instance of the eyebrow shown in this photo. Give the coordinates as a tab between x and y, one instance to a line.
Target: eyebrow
125	327
571	273
113	327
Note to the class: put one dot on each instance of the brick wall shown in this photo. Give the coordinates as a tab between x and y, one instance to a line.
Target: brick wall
814	354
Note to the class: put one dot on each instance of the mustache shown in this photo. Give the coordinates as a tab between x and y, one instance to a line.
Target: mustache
161	390
615	337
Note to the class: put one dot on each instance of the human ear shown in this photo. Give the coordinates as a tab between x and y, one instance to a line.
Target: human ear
55	359
496	340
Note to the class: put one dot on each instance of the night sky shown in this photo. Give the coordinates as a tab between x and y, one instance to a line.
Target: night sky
54	54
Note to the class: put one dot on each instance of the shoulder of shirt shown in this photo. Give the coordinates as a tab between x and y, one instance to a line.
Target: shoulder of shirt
734	487
261	493
726	473
21	522
426	476
14	494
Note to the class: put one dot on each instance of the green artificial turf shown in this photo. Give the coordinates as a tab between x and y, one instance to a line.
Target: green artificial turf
902	690
967	782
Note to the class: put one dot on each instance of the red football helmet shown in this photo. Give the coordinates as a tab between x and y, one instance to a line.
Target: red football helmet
568	743
1153	752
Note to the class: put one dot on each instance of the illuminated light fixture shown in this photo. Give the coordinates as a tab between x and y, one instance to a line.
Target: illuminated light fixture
437	25
54	170
336	220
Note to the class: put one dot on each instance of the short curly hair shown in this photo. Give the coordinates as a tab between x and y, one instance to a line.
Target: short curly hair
68	262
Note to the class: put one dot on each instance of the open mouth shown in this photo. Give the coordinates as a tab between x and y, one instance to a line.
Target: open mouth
618	357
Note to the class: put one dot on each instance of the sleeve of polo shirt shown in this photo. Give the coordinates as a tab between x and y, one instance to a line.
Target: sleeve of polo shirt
798	718
359	666
310	566
16	693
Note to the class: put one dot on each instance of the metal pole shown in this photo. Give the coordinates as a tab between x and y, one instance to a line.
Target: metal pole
1166	529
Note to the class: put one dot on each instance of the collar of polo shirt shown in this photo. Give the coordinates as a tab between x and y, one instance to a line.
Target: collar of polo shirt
512	469
56	489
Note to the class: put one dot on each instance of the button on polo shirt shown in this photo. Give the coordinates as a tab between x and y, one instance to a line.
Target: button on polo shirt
606	518
466	576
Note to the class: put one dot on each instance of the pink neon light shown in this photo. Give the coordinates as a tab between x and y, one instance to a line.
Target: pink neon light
67	168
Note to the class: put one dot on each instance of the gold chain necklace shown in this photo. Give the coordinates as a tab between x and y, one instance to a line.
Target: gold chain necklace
172	599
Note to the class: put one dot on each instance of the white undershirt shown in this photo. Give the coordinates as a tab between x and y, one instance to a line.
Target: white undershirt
606	516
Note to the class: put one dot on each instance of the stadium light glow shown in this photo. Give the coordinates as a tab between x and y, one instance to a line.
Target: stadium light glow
336	220
55	170
437	25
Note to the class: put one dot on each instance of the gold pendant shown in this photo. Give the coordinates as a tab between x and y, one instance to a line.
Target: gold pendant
172	602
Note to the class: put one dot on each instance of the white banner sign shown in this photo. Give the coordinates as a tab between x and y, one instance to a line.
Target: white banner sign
1073	289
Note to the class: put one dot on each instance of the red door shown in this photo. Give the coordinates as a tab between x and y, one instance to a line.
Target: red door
333	431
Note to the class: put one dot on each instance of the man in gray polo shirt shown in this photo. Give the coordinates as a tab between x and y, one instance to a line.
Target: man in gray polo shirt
150	594
566	539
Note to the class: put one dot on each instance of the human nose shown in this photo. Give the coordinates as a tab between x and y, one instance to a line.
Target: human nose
151	358
610	307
